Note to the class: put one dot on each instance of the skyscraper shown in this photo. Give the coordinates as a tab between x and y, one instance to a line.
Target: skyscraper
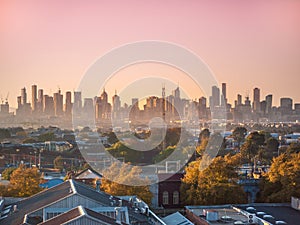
256	99
23	96
48	105
224	95
77	101
269	99
40	101
215	98
58	103
68	104
239	99
116	103
34	98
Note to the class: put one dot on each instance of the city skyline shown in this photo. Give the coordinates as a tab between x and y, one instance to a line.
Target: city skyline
254	95
246	44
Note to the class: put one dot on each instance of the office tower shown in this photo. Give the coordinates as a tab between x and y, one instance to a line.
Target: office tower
286	106
116	103
215	98
224	95
77	101
34	98
19	101
297	108
4	109
58	103
48	105
239	99
256	99
88	105
40	101
104	96
23	96
269	99
202	108
176	93
68	104
263	106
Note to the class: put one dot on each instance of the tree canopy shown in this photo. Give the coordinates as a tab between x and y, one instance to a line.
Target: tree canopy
24	182
283	179
125	174
216	184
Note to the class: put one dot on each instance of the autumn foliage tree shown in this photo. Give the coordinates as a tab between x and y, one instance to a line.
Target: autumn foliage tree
24	182
282	180
122	174
215	184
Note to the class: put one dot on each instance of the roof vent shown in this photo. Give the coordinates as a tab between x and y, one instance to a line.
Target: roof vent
15	209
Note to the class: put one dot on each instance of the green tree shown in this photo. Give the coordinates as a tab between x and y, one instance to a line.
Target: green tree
125	174
271	148
46	137
24	182
252	145
282	180
239	134
215	184
7	173
4	133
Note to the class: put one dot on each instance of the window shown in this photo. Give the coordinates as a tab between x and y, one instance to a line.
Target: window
165	198
175	198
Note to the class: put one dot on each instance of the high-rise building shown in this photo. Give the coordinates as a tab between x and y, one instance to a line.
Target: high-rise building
34	98
269	99
23	96
4	109
116	103
68	104
256	99
40	101
224	95
77	106
286	103
239	99
215	98
58	103
48	105
19	101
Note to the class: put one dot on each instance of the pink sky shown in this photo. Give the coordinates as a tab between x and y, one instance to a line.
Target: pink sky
246	44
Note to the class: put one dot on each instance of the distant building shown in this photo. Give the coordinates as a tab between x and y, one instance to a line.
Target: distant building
34	98
256	100
58	103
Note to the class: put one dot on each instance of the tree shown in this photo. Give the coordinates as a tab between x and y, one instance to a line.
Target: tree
7	173
58	163
4	133
239	134
271	148
282	180
216	184
50	136
252	145
117	175
24	182
203	141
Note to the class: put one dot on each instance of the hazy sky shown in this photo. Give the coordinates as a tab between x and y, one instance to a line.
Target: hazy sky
246	44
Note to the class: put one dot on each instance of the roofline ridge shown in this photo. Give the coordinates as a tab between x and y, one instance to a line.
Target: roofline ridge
73	186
